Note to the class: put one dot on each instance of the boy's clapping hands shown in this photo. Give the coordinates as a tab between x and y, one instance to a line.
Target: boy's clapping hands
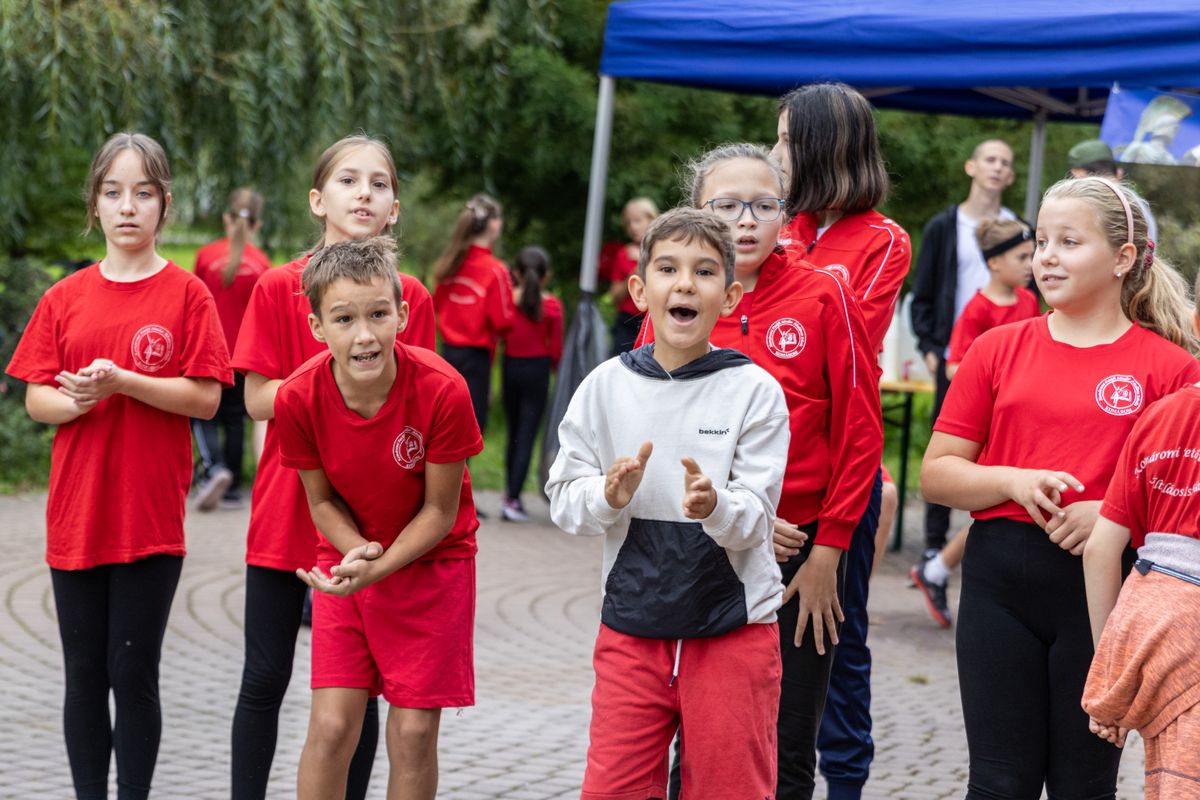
699	496
625	475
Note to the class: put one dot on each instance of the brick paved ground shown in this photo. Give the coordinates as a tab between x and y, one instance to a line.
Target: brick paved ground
537	616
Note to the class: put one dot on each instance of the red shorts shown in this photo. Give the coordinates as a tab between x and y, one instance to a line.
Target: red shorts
726	698
408	637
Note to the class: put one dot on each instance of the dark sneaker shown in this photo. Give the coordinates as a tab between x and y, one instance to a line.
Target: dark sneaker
935	596
210	491
231	501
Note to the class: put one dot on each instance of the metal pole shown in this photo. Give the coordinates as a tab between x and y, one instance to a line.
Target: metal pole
597	183
1037	158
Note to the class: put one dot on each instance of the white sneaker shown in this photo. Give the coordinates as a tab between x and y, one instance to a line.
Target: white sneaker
210	491
511	511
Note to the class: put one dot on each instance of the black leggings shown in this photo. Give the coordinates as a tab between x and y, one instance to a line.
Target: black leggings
112	619
230	420
526	386
1024	647
274	603
937	517
803	688
475	365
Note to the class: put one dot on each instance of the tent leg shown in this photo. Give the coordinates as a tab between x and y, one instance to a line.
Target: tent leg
597	183
1037	158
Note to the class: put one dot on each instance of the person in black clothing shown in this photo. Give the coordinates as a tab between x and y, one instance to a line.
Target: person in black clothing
949	270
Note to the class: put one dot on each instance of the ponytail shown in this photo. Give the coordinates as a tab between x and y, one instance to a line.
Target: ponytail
530	269
1156	297
472	221
245	207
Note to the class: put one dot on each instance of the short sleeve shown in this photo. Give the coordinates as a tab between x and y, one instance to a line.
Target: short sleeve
421	330
259	346
963	335
967	409
455	435
293	426
37	358
205	354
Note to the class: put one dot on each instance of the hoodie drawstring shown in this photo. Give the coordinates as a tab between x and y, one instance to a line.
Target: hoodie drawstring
675	671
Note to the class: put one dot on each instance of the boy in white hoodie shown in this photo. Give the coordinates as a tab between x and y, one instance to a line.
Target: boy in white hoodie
688	522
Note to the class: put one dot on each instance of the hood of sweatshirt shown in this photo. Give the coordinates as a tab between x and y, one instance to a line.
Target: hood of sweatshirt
641	362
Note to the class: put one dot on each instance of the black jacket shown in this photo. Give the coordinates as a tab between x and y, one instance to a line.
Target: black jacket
935	283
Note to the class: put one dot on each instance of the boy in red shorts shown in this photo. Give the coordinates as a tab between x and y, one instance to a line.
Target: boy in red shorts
688	638
380	433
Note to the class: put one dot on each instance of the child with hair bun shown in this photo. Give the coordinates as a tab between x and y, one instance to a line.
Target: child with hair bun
1028	441
618	260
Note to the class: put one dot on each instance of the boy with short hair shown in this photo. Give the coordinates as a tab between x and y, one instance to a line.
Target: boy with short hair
380	433
688	521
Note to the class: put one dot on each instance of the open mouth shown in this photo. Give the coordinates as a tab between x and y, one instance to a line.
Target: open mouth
362	213
365	359
682	313
746	242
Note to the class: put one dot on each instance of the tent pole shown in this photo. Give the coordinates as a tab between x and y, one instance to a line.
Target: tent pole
1037	158
597	183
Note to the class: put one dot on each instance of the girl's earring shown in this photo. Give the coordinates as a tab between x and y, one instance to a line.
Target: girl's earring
1118	273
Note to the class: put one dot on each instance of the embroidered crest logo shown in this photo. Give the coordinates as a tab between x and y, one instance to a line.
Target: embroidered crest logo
785	338
1119	395
839	270
409	448
152	347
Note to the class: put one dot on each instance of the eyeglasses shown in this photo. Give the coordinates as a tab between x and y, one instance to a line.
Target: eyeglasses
730	209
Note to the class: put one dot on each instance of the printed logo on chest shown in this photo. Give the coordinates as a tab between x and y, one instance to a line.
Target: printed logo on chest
786	338
1119	395
409	448
152	347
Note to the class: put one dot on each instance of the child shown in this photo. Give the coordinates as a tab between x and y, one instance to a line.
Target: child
532	349
353	196
380	432
1028	441
1007	246
802	326
618	260
473	298
1146	674
229	268
692	521
835	178
118	356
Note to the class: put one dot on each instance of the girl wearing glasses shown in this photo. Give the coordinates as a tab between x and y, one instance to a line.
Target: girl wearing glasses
801	325
835	176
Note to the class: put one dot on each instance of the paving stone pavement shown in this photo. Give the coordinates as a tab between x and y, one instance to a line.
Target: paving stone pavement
538	609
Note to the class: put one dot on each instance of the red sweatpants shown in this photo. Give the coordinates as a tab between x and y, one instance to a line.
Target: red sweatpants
725	699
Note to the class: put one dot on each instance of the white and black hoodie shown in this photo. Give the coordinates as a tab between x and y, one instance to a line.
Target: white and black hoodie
665	576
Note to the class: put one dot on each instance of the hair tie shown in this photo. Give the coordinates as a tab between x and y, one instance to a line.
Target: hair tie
1124	204
1149	259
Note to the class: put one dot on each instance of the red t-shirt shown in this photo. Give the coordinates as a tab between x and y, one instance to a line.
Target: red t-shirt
274	341
119	474
232	299
1036	403
1156	486
867	250
801	325
616	266
530	339
981	314
377	465
475	306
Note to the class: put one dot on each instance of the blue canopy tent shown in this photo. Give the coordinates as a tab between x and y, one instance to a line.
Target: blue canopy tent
1021	58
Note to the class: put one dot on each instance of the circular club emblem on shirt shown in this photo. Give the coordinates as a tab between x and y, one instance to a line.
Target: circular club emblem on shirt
152	347
839	270
785	339
1119	395
409	448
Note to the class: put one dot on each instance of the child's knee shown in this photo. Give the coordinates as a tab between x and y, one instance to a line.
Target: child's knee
332	733
413	731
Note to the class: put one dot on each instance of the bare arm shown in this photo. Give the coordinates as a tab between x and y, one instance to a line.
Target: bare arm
49	405
1102	571
329	511
950	476
189	397
260	396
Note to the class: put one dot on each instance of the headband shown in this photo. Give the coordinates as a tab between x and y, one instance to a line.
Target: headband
1124	204
1008	244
